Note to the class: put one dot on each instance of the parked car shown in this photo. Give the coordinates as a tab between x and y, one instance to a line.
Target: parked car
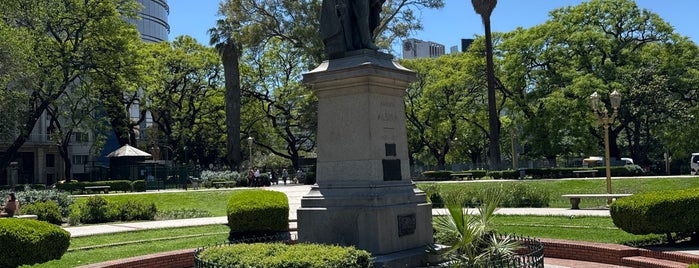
599	161
694	164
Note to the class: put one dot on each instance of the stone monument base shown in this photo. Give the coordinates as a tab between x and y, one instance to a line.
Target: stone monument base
392	221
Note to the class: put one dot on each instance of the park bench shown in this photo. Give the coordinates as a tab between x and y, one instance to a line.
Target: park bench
104	188
590	172
575	198
26	216
461	176
218	184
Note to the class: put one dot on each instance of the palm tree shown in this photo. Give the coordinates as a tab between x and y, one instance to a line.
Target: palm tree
485	8
471	240
222	38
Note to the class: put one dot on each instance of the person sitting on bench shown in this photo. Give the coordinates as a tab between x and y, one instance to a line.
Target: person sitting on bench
11	206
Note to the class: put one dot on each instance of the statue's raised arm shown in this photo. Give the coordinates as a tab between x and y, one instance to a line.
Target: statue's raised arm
348	25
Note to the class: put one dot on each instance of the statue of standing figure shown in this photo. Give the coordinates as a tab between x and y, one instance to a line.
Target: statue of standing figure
347	25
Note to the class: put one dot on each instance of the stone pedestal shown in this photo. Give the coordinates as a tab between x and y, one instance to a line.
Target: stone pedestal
364	196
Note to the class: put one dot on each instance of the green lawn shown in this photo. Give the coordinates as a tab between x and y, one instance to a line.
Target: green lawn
85	250
556	188
99	248
214	201
591	229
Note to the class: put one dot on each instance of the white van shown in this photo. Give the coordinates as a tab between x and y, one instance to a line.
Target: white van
694	164
599	161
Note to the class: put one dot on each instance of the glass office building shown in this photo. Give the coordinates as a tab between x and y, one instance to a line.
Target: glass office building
153	24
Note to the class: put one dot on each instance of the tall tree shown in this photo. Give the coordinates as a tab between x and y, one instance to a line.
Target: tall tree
284	107
445	108
68	36
225	38
485	9
550	71
185	96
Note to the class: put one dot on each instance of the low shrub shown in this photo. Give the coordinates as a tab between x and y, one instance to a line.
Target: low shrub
30	195
25	241
281	255
79	186
504	174
257	213
437	175
97	210
48	211
662	212
433	197
138	185
133	210
513	195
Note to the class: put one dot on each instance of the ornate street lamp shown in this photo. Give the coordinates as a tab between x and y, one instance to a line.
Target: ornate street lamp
601	113
250	148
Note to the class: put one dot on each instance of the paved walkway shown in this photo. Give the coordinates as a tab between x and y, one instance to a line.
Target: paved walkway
295	192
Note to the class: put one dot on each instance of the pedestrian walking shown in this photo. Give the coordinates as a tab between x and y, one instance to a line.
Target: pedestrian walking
285	175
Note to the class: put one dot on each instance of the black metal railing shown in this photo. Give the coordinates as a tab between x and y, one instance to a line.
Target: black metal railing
530	255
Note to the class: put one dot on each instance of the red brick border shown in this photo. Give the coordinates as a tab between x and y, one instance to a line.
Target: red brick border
615	254
553	248
183	258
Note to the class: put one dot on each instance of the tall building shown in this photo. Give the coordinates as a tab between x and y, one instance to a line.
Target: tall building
414	48
465	43
38	160
153	24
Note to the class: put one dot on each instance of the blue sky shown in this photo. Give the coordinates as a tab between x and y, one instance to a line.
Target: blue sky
455	21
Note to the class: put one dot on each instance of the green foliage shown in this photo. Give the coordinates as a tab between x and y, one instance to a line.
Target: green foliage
135	209
661	212
437	175
556	173
514	195
257	212
433	197
184	88
48	211
281	255
98	209
25	241
79	186
138	186
471	239
29	196
504	174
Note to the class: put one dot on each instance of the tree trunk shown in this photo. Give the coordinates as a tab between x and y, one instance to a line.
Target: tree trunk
494	154
231	56
12	151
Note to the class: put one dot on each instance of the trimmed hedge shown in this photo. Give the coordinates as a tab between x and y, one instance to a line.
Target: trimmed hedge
97	209
24	241
114	185
504	174
556	173
282	255
446	175
48	211
514	195
662	212
257	213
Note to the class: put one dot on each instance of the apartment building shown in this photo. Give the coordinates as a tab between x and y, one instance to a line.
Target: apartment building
415	48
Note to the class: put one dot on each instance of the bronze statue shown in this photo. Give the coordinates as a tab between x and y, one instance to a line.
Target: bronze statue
347	25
